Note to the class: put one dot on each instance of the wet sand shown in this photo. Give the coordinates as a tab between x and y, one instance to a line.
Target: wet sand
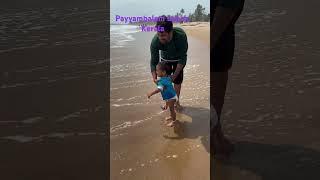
53	94
141	146
271	111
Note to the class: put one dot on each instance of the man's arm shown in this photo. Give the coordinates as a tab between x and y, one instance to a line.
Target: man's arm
178	70
224	15
154	60
182	54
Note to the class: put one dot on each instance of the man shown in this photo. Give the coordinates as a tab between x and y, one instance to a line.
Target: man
173	45
225	14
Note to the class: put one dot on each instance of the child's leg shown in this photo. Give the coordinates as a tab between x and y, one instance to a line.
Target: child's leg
169	118
172	112
165	107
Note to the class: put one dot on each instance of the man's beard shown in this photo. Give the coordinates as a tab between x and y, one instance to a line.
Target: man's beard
164	42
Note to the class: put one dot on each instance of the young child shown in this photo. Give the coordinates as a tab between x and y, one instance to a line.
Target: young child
164	85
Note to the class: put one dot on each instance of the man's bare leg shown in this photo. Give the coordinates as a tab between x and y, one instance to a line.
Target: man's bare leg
177	88
218	90
217	93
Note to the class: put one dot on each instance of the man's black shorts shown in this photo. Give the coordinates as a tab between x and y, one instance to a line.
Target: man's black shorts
222	55
171	68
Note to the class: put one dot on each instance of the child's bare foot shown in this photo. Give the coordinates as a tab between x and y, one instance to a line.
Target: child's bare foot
171	123
165	107
168	118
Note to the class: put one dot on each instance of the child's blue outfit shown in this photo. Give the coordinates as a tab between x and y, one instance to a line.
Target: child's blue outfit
166	87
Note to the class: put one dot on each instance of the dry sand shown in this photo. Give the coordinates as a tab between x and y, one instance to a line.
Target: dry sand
200	30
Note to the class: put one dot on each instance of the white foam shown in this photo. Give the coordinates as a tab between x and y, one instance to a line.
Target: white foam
133	123
120	35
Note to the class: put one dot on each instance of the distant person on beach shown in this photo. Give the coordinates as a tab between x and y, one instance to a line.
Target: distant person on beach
173	46
225	14
164	85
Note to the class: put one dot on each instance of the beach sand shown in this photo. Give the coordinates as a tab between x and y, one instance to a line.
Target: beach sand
141	146
200	30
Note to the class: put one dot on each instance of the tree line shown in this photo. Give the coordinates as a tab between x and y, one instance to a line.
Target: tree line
198	14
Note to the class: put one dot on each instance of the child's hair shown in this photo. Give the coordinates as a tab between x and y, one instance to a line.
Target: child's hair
162	66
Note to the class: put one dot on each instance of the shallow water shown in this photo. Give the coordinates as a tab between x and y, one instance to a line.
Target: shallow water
52	90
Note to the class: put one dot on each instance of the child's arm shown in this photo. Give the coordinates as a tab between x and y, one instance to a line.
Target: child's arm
153	93
160	87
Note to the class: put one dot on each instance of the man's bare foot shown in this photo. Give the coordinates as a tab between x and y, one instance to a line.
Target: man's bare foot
171	123
227	145
219	152
222	147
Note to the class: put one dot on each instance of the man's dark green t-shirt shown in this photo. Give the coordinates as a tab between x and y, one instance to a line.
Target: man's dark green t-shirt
176	49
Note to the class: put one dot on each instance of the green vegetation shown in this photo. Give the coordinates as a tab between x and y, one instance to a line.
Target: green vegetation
198	15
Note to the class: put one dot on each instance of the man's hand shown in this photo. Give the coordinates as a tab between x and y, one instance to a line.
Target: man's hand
155	81
177	72
154	77
149	95
172	77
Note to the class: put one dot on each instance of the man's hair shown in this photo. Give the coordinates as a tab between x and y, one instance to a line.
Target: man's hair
165	23
162	66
